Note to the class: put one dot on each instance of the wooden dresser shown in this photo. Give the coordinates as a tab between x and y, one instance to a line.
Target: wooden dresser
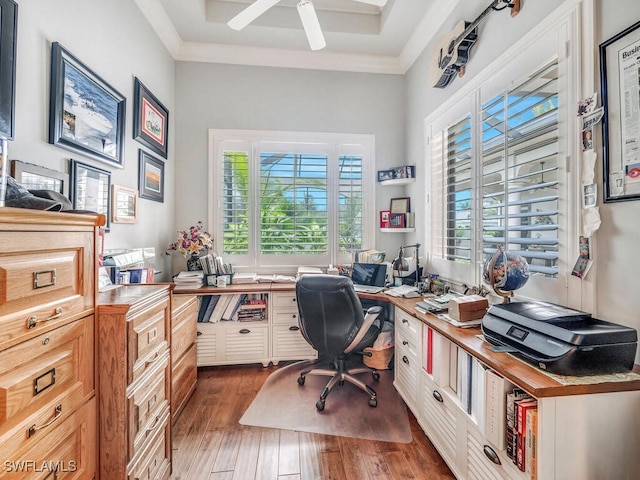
184	372
47	375
134	369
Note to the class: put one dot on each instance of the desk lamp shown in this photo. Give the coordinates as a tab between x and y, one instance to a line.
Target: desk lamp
400	264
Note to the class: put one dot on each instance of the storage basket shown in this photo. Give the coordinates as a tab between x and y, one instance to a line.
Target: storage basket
380	356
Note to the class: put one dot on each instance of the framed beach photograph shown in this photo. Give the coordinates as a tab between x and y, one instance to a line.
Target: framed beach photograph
86	114
124	204
150	177
150	120
400	205
8	35
620	80
35	177
90	189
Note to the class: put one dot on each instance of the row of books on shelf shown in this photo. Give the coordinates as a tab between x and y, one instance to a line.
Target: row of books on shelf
119	276
233	307
397	220
505	415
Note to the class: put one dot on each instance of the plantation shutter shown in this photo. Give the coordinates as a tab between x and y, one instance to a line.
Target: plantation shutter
520	172
350	201
235	203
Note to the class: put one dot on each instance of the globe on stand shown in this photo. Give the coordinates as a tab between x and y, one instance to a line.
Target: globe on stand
505	272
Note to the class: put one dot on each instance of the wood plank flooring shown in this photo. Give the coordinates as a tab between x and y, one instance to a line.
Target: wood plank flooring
210	444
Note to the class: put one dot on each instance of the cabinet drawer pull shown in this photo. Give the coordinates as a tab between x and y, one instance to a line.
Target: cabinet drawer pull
198	333
405	359
44	381
33	428
50	281
33	321
155	425
438	396
404	342
404	320
294	300
293	328
151	360
245	330
491	454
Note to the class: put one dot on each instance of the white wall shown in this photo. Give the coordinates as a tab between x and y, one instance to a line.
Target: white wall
115	41
257	98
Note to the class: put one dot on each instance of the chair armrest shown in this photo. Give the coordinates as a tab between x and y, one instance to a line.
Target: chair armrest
372	314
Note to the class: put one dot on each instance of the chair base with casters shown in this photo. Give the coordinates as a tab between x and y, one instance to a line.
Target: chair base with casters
339	376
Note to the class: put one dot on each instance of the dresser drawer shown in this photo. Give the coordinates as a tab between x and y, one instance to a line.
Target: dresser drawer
70	448
284	300
43	289
147	338
184	376
285	318
146	402
154	461
45	369
183	329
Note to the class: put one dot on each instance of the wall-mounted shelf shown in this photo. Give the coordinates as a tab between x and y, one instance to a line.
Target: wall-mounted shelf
397	230
397	181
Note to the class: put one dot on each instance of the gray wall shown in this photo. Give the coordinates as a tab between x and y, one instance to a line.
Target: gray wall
115	41
257	98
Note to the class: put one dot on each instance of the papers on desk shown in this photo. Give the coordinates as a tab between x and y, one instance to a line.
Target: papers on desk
189	279
262	278
406	291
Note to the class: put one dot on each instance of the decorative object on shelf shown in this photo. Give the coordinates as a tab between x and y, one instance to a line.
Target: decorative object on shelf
401	265
8	35
91	189
397	220
124	207
150	119
150	177
620	137
505	272
400	205
398	175
192	244
86	115
385	220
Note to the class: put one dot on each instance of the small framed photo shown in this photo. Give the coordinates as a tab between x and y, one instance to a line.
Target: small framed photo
86	115
384	218
90	189
124	204
384	175
400	205
150	120
150	177
397	220
35	177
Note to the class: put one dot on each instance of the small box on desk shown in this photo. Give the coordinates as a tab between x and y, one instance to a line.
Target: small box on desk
469	307
219	279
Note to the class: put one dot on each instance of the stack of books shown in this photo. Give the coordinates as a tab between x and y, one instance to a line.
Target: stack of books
189	279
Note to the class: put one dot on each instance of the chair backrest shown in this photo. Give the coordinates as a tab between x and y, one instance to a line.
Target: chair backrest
330	312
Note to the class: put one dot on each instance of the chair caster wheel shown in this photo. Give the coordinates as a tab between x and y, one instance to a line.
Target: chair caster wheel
320	405
376	376
373	402
300	380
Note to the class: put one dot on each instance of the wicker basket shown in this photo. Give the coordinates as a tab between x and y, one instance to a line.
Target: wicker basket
380	357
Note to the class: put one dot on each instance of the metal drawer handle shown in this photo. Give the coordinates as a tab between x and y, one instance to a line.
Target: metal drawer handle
49	282
404	342
438	396
198	333
404	320
293	299
33	321
33	428
155	425
491	454
293	328
245	330
405	359
150	361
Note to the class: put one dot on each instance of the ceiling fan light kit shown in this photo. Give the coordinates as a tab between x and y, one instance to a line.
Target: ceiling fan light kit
307	13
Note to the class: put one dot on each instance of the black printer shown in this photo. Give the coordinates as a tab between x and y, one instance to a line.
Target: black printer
560	340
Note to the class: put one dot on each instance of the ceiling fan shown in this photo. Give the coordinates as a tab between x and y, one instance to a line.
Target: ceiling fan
307	14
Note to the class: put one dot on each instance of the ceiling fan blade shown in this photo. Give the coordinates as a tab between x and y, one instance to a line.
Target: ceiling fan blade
249	14
377	3
311	25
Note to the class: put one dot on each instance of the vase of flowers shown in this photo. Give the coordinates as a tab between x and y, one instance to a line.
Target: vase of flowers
192	244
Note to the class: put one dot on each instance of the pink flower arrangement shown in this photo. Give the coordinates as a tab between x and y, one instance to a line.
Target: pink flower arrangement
192	242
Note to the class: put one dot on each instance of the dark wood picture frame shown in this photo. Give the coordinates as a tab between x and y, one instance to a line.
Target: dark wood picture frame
400	205
8	41
36	177
621	177
91	189
150	120
86	114
150	177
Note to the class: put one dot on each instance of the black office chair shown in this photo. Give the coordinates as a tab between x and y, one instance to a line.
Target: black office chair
333	322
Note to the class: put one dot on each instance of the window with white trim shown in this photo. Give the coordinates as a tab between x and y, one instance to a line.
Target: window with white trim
290	199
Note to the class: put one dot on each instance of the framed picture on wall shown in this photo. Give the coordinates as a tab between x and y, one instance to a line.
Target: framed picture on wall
8	35
124	204
90	189
86	114
35	177
150	119
150	177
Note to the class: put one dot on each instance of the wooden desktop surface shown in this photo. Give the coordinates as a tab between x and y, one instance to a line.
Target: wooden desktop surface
530	378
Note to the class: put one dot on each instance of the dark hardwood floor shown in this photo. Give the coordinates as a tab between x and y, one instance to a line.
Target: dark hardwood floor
209	443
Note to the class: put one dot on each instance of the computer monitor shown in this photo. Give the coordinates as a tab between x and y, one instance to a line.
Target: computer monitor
370	274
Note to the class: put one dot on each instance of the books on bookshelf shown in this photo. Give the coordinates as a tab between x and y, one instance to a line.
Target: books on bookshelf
238	307
496	389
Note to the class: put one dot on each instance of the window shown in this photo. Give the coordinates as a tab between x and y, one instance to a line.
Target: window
291	199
